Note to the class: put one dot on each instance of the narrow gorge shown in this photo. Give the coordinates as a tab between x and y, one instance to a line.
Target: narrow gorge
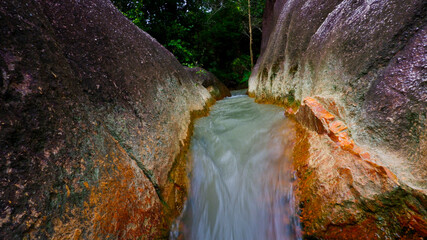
104	134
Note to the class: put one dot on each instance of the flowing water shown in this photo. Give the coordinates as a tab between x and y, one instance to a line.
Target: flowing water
241	181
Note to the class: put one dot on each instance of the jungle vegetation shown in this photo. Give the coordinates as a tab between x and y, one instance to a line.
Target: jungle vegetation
213	34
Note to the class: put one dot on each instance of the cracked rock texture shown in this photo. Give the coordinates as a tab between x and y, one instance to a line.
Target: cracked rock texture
364	63
94	118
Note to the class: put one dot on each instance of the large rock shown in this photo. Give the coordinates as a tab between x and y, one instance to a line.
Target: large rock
363	62
208	80
344	194
369	56
94	118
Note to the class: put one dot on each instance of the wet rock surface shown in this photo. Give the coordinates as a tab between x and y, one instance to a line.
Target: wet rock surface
369	56
344	196
94	118
215	87
352	73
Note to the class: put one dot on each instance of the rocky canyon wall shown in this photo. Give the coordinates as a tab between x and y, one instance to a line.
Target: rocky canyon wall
353	74
94	118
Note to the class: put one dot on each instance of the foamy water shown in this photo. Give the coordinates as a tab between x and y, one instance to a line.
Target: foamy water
241	182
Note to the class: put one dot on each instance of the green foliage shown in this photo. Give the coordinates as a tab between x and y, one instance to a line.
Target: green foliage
212	34
290	97
245	78
241	66
180	49
201	71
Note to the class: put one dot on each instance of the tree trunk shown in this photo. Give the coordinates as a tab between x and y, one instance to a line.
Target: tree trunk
250	34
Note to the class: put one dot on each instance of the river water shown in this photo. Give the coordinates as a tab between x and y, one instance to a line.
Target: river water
241	179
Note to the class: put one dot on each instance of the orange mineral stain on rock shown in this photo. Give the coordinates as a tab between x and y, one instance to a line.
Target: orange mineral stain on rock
313	115
68	190
343	193
123	204
318	110
337	126
77	234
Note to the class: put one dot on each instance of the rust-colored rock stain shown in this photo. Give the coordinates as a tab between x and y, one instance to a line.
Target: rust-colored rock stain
121	207
342	192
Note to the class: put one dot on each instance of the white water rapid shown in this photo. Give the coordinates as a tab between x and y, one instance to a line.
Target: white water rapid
241	179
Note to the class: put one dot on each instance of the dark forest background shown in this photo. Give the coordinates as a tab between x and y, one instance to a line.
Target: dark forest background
213	34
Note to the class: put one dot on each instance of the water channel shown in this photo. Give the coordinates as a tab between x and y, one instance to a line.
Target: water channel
241	179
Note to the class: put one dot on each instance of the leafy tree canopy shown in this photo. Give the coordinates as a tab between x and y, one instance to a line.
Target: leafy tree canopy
213	34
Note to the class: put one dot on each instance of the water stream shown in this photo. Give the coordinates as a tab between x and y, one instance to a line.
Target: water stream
241	182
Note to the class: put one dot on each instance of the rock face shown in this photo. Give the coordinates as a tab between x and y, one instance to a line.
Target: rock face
215	87
94	119
343	192
358	69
